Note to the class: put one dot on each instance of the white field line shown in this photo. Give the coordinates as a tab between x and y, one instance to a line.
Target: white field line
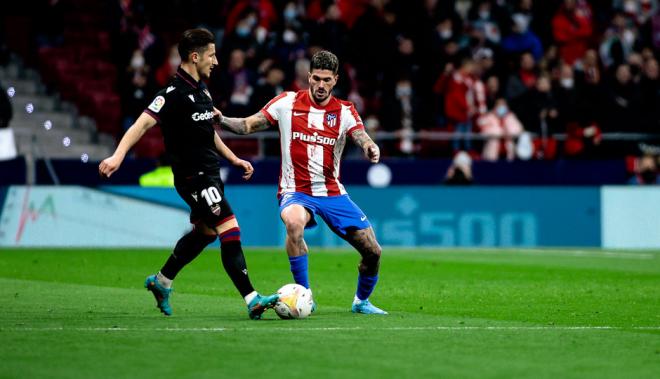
325	329
590	253
548	252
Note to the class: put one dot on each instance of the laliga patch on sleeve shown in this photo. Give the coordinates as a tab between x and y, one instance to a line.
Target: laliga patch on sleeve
157	104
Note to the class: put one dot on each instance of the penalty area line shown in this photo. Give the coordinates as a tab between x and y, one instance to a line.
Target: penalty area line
328	329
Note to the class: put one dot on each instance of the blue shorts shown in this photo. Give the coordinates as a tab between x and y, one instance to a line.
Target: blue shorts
340	213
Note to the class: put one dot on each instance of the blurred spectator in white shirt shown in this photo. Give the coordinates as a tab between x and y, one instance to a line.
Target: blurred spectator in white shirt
499	124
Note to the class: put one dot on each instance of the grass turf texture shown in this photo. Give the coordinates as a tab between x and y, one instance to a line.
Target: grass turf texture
468	314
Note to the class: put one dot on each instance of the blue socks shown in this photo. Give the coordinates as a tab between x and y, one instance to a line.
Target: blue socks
365	286
299	270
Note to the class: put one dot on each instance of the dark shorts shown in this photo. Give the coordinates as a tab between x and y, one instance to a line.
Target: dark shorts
205	195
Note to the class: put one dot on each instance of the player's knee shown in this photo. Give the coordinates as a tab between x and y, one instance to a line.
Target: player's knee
295	229
371	258
202	237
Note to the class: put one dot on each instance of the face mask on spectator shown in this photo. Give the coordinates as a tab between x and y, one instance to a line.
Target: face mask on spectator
402	91
175	61
446	33
628	37
630	6
567	83
484	15
290	14
289	36
251	21
260	34
501	110
242	31
137	62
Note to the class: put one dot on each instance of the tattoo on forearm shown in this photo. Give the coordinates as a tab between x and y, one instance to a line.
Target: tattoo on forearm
254	123
236	125
259	123
362	139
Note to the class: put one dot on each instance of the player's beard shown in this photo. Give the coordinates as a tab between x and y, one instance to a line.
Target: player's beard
320	98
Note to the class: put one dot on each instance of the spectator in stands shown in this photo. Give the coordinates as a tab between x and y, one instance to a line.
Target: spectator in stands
464	100
137	89
621	108
572	27
7	142
403	113
646	171
520	82
538	112
460	170
566	93
493	91
522	39
487	18
167	70
500	124
650	96
619	40
6	111
300	80
237	85
267	88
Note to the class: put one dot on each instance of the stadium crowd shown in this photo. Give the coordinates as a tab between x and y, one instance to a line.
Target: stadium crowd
498	68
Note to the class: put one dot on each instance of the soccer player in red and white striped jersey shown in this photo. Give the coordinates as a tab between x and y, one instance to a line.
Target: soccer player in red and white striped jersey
314	126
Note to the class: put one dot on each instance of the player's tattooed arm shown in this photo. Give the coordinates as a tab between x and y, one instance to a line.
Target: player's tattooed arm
244	125
371	150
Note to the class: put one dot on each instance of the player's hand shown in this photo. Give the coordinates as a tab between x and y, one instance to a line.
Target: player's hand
218	114
372	153
247	168
109	165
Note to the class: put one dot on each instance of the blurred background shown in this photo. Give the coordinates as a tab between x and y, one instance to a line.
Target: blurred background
548	100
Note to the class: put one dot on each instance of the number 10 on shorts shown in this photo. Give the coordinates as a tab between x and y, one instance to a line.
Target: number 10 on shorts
211	195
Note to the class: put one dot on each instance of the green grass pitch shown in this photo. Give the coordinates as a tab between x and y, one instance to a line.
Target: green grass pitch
453	314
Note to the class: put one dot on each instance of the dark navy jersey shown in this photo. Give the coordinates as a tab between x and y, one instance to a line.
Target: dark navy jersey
184	111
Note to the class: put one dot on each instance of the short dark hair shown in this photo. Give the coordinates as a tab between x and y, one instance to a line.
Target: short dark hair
324	60
194	40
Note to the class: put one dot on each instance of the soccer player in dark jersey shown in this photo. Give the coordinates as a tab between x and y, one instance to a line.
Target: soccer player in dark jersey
314	126
184	110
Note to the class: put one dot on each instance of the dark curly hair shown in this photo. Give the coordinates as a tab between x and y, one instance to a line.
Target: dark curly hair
324	60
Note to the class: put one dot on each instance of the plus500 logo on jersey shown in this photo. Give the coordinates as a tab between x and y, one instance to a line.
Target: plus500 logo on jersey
202	116
315	138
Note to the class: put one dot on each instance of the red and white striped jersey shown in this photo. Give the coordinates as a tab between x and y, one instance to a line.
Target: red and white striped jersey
312	139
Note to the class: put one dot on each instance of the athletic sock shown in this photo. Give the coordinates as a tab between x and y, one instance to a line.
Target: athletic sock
249	297
163	280
233	260
299	270
365	286
186	249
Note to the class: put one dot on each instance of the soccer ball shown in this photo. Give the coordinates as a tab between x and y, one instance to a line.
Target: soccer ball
295	302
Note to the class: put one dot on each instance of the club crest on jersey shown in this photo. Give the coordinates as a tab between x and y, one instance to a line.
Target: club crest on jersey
157	104
331	119
215	208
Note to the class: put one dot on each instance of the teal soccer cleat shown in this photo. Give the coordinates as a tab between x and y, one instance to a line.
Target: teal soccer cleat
365	307
161	294
259	304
